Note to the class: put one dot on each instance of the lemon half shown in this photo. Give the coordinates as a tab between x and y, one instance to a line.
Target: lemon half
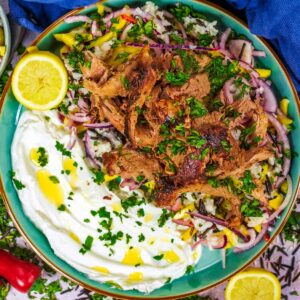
253	284
40	80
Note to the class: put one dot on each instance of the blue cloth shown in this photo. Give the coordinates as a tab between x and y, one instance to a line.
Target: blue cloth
276	20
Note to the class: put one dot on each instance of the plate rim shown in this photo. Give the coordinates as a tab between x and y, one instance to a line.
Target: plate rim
39	253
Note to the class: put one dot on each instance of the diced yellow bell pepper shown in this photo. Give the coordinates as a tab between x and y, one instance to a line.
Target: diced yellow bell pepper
284	120
275	203
129	49
188	234
264	172
284	187
121	23
284	105
215	54
100	8
183	212
108	178
244	230
2	50
32	49
67	38
63	50
258	228
150	185
263	73
103	39
231	238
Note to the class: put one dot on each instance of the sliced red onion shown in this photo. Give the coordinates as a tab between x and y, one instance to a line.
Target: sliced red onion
95	30
245	238
168	46
227	91
217	242
99	125
259	53
212	219
79	118
241	50
177	205
254	240
200	241
187	223
285	202
282	137
83	105
125	31
224	38
72	140
131	183
89	150
270	102
73	19
239	247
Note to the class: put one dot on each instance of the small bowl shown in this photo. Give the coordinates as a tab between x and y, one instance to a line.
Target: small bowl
7	40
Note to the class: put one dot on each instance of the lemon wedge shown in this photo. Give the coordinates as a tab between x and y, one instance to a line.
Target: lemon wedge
40	80
253	284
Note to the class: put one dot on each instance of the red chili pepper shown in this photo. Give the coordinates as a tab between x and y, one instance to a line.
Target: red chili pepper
267	237
20	274
129	18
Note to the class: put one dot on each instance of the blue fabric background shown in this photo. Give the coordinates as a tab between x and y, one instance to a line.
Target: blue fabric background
276	20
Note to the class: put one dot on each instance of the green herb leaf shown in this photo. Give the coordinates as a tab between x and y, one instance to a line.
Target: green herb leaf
18	184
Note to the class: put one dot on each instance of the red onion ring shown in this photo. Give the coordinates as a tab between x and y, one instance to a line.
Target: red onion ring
125	31
72	140
78	19
221	243
177	205
214	220
95	30
131	183
79	118
227	91
258	53
99	125
282	137
187	223
224	38
239	247
88	150
270	102
241	50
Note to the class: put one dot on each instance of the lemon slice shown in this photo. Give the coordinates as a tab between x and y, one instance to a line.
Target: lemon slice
253	284
40	80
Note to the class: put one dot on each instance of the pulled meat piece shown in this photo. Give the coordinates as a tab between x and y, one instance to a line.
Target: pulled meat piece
129	163
198	86
97	72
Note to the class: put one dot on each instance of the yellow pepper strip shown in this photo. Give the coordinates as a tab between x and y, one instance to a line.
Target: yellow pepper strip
284	187
121	49
2	50
183	213
284	120
258	228
150	185
32	49
121	23
100	8
103	39
67	38
263	73
265	169
284	105
275	203
108	178
188	234
231	237
63	50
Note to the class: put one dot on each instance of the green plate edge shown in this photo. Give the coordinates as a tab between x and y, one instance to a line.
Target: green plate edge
206	274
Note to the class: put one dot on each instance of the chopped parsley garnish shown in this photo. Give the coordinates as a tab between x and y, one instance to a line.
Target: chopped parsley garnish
197	109
174	37
141	212
163	218
131	201
98	176
158	257
189	269
123	56
62	207
248	184
76	59
180	129
245	133
114	185
138	223
140	178
104	214
87	244
194	139
61	148
125	82
177	146
292	227
204	40
178	78
204	153
164	130
141	238
111	238
214	182
148	28
18	184
251	208
54	179
128	238
226	145
218	73
191	65
181	11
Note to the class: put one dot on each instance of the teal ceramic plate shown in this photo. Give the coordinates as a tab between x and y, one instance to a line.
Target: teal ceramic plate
208	272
